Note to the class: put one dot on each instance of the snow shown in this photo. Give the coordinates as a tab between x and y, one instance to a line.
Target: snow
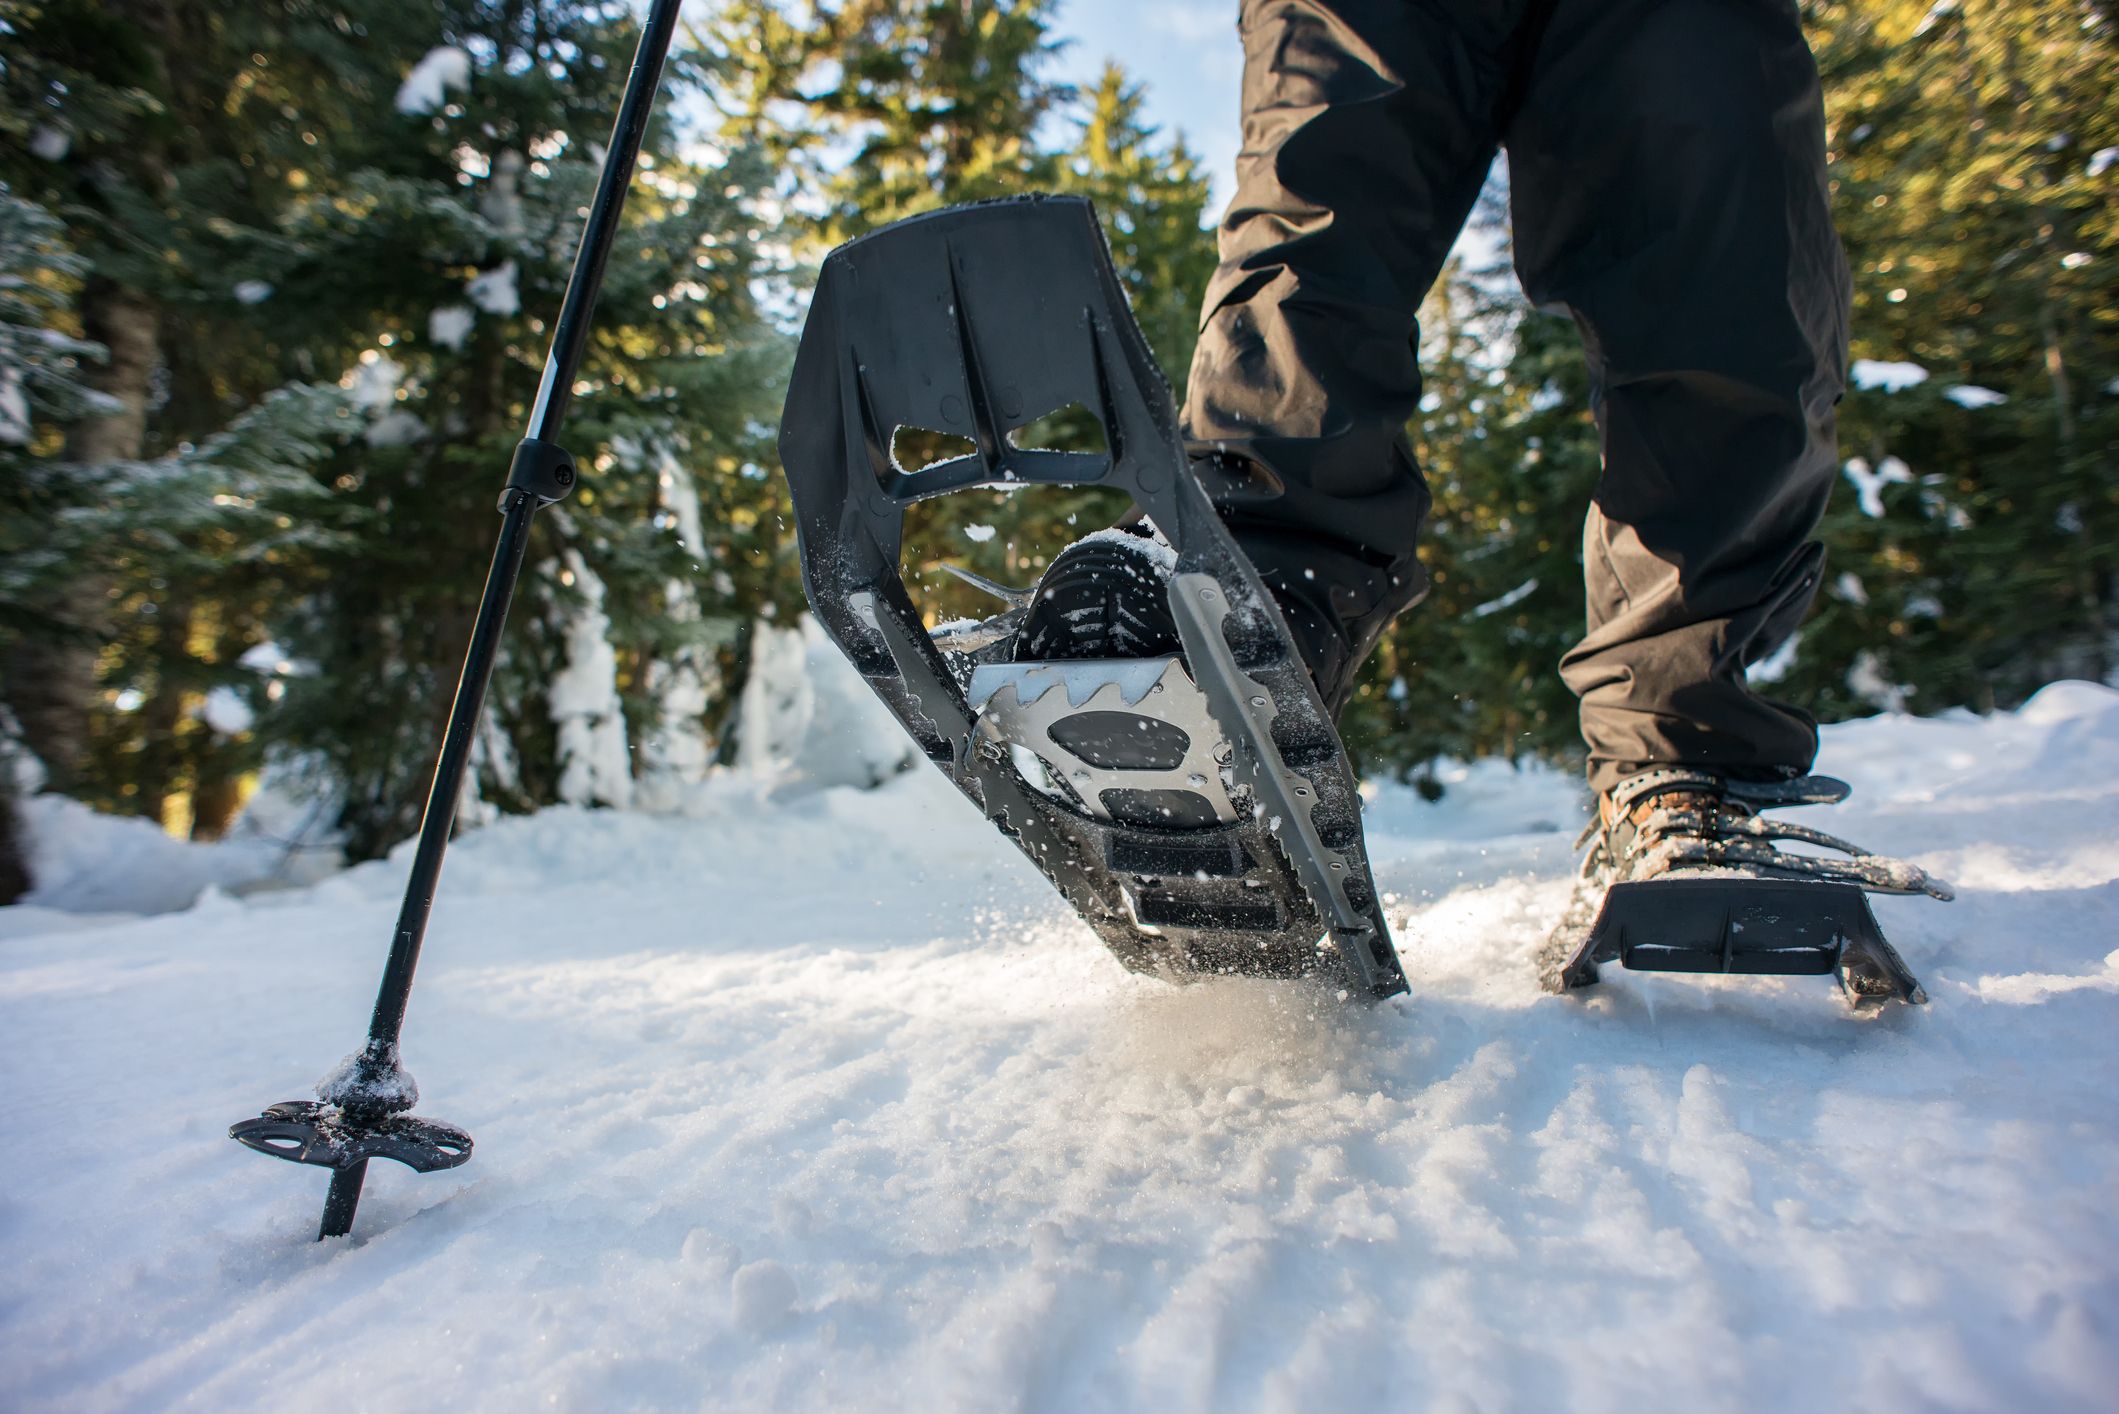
426	87
252	291
450	325
825	1101
1869	484
14	408
81	861
494	290
1866	679
595	763
806	721
2102	160
397	427
978	534
1869	374
676	753
373	382
1971	395
1777	664
1507	601
227	711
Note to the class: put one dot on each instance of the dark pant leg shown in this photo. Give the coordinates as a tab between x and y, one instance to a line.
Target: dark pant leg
1367	131
1669	182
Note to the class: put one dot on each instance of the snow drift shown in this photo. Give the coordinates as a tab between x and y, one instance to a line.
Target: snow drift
821	1100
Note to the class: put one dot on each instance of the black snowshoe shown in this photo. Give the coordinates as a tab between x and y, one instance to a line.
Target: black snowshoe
1142	724
1684	874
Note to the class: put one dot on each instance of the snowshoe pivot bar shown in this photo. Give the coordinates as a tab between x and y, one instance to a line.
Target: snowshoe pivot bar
977	321
1761	926
363	1101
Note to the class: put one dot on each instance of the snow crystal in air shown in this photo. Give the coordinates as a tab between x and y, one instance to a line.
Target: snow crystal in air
494	290
1850	588
2102	159
450	325
1870	374
2076	259
1970	395
431	78
50	143
978	533
252	292
1869	484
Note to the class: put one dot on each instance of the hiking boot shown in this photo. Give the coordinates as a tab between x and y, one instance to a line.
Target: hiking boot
1674	820
1105	596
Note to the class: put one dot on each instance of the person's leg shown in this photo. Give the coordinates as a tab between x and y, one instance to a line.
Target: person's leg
1368	127
1668	167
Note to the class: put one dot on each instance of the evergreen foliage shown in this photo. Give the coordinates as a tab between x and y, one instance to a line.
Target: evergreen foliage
1974	152
273	284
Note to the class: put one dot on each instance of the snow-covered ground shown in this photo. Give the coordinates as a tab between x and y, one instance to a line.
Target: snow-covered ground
823	1101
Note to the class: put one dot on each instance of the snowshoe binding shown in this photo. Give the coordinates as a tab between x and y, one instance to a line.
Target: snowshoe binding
1141	724
1684	874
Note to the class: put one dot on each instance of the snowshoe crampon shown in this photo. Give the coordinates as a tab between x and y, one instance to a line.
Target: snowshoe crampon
1687	875
1770	927
1198	811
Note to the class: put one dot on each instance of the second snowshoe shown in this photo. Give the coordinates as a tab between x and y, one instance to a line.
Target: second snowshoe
1174	774
1685	874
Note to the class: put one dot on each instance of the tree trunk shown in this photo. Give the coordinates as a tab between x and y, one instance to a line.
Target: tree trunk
14	848
51	677
215	801
159	769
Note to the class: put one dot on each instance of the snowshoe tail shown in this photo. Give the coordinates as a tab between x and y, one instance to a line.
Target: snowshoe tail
1771	927
978	321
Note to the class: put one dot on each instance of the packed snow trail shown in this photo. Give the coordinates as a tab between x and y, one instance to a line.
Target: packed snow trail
826	1103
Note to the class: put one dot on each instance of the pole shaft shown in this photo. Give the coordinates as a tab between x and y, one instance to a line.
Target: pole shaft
449	771
569	341
342	1201
570	335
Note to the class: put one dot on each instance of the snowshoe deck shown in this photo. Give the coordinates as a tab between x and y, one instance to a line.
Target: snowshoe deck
978	321
1773	927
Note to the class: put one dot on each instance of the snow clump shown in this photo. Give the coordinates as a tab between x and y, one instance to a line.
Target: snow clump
427	86
450	325
494	290
1875	375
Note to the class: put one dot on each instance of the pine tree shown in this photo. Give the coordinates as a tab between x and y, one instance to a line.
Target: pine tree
449	250
909	105
161	130
1975	147
1152	198
41	386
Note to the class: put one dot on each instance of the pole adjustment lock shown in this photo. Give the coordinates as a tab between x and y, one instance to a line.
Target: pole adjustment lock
544	469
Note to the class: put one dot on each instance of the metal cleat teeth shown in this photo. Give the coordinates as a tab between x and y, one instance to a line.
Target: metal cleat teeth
1018	708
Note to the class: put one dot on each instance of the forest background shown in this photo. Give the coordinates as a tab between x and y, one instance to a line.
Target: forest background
273	287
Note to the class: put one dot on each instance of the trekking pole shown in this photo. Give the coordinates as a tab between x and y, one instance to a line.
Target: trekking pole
361	1109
